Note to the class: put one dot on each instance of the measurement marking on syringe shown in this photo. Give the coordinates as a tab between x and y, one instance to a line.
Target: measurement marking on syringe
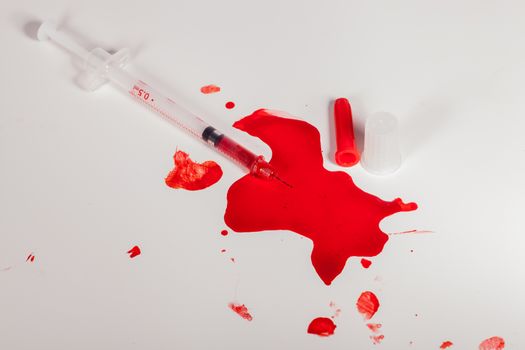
140	94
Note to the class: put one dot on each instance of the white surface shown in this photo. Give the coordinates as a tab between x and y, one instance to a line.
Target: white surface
82	174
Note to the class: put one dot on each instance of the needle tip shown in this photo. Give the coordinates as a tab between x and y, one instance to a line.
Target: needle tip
281	180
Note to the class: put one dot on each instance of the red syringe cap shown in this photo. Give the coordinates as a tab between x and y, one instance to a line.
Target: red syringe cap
346	153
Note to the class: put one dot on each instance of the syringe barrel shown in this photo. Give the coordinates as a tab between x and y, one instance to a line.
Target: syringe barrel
158	102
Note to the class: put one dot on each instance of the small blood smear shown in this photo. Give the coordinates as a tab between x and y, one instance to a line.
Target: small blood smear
367	304
192	176
31	258
133	252
411	231
337	311
446	344
229	105
374	327
494	343
210	89
224	233
241	310
325	206
322	326
366	263
376	339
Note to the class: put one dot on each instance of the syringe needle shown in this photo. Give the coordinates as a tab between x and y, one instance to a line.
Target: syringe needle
281	180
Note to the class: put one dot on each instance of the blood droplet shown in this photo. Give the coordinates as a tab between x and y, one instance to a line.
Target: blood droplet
322	326
446	344
30	257
241	310
374	327
210	89
224	233
327	207
376	339
494	343
192	176
367	304
229	105
133	252
366	263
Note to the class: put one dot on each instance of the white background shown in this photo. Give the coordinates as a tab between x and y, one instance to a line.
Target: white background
82	175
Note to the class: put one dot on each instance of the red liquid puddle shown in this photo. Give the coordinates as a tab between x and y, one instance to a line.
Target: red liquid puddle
446	344
327	207
30	257
229	105
322	326
376	339
133	252
366	263
210	89
241	310
374	327
192	176
367	304
224	233
494	343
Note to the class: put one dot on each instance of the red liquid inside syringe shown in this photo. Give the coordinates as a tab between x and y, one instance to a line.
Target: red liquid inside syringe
255	164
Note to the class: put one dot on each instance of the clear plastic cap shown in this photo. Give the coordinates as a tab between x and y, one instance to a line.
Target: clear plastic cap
381	153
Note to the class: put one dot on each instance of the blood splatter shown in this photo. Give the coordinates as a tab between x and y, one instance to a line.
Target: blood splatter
366	263
232	260
327	207
410	232
192	176
376	339
224	233
494	343
367	304
229	105
30	257
223	250
374	327
241	310
210	89
446	344
322	326
337	311
133	252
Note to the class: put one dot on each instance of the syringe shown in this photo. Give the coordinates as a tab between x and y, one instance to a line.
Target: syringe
100	67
